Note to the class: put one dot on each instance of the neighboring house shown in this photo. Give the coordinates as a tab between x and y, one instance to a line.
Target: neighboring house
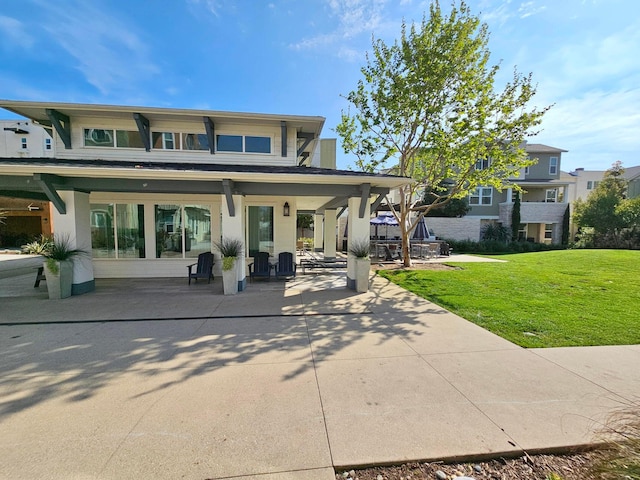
583	182
25	218
542	207
148	189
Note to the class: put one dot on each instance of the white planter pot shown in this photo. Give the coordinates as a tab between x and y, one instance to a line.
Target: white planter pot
59	284
230	281
363	269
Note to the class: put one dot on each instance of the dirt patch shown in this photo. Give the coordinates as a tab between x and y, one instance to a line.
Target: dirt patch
534	467
414	266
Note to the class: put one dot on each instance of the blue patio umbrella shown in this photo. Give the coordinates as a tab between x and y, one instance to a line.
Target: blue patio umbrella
420	232
384	219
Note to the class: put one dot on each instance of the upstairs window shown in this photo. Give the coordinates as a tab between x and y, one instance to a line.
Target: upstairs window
481	196
23	143
482	163
551	195
243	143
195	141
589	185
47	144
553	166
163	141
100	137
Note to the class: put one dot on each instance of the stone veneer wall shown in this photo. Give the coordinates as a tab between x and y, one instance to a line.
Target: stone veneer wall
465	228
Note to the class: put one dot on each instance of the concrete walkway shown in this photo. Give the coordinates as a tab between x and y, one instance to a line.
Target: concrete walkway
157	379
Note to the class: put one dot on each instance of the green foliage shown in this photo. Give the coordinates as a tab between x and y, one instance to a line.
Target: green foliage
427	105
601	210
545	299
304	220
39	246
360	248
228	263
495	232
515	217
229	247
454	208
499	247
566	226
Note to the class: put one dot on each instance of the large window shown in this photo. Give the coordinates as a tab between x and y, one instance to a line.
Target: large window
117	230
100	137
195	141
182	231
481	196
163	140
240	143
260	230
553	166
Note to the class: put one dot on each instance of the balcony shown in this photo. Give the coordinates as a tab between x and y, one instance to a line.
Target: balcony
534	212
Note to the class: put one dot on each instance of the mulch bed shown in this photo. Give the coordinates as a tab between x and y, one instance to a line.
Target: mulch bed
534	467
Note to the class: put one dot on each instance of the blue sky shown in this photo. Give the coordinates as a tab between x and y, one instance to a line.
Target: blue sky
300	56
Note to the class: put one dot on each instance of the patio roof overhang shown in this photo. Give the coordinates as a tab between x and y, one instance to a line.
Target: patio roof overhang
317	189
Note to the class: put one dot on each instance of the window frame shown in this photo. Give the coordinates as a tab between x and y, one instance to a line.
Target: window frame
243	138
479	194
553	165
555	195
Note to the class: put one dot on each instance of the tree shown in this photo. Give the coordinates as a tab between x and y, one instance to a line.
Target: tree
427	104
515	218
600	210
455	208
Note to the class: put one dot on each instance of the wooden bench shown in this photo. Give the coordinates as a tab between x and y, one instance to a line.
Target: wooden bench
39	277
326	263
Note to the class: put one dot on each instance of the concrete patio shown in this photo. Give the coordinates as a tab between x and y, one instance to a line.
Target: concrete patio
153	378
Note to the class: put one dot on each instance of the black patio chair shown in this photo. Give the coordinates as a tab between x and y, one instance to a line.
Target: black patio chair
204	267
286	266
260	267
389	256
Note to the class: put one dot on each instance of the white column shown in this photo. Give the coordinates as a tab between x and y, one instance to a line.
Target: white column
509	195
357	230
76	226
318	233
233	227
330	233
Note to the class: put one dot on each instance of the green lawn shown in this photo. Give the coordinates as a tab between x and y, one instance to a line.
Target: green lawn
545	299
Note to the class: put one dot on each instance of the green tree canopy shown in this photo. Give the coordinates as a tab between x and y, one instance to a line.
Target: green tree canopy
427	106
600	210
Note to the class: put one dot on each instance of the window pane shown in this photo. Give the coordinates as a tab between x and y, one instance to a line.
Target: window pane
128	139
198	229
257	144
229	143
95	137
130	227
195	141
168	231
102	235
260	230
162	140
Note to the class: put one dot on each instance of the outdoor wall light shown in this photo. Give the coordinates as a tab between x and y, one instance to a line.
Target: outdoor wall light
286	210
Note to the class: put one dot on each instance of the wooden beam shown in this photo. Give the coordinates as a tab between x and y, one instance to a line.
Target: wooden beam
365	188
377	202
227	186
143	128
62	124
308	138
46	183
211	133
283	134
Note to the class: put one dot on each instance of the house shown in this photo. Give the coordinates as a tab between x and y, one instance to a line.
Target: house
542	207
583	182
25	218
148	189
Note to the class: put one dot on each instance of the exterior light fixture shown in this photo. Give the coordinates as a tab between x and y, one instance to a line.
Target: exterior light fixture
286	210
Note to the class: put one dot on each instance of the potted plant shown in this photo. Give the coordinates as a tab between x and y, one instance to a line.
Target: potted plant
58	265
360	250
230	249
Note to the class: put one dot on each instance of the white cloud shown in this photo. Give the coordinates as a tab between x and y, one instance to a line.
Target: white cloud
213	6
14	33
354	18
528	9
108	52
